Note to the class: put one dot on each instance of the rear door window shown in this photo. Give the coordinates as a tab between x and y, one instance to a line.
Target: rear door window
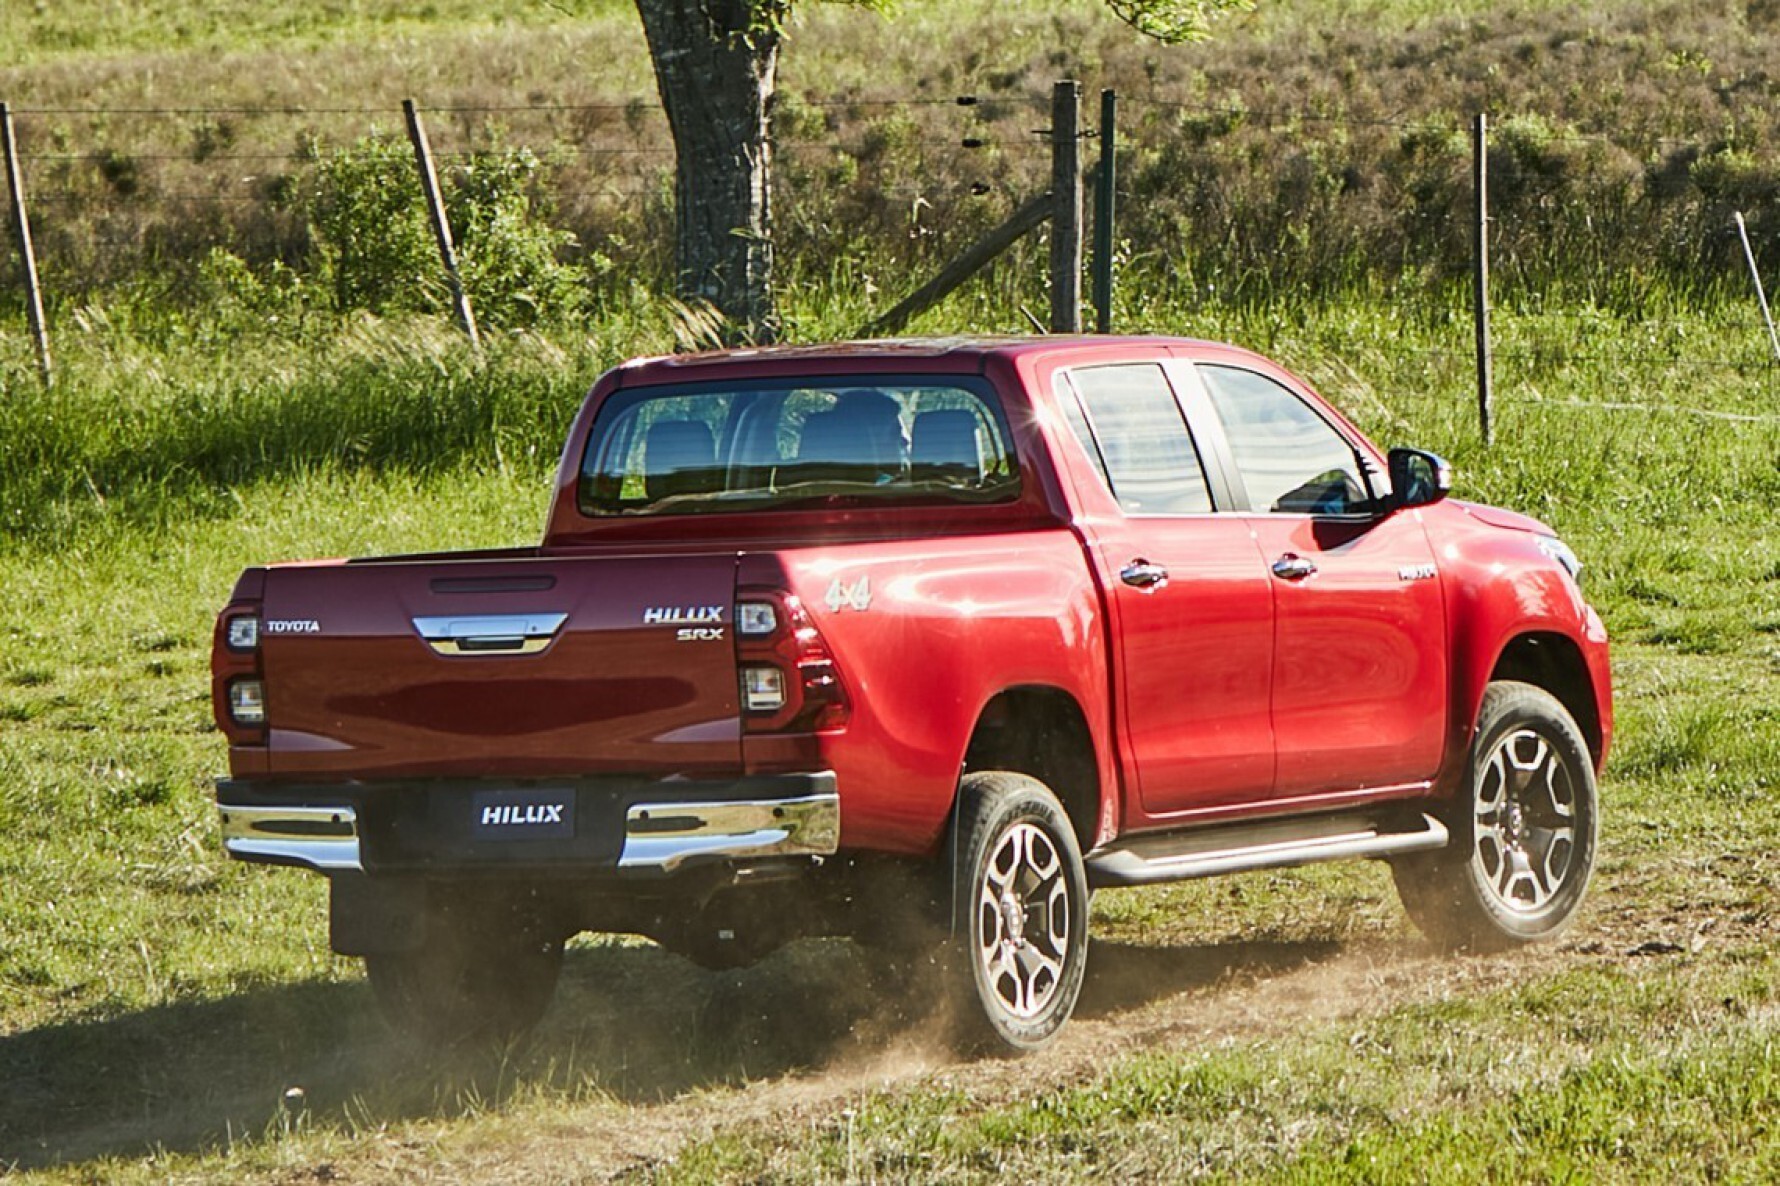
798	445
1139	439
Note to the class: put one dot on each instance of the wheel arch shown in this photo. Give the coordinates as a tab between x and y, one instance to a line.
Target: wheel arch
1042	731
1555	663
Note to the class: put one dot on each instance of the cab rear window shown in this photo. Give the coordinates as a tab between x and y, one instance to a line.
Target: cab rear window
796	446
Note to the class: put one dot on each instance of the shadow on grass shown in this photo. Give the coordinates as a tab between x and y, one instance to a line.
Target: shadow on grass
1124	976
629	1022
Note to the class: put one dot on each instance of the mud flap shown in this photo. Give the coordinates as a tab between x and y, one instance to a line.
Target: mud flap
384	916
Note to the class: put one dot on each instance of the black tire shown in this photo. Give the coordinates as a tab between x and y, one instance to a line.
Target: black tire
481	974
1019	942
1524	830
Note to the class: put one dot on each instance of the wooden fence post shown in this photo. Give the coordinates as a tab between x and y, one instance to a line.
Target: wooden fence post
21	225
1066	219
1103	214
1481	274
435	204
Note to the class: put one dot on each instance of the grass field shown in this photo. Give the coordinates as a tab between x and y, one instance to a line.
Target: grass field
158	1004
157	998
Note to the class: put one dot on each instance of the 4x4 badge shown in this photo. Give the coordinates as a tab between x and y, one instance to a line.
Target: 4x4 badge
856	596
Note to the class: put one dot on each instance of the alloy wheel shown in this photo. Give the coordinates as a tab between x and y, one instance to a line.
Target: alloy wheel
1023	920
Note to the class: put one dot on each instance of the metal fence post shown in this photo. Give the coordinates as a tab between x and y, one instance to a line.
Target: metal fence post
435	204
1105	178
1761	293
1481	275
21	225
1066	220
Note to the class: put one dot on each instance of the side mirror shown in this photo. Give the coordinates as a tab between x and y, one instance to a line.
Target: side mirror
1418	478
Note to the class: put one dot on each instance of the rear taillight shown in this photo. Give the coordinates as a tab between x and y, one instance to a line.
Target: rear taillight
241	632
789	683
247	702
756	619
237	681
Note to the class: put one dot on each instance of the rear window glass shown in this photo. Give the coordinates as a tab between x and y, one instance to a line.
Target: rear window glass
799	445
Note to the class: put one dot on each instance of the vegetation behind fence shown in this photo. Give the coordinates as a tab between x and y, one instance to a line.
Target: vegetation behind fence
1622	146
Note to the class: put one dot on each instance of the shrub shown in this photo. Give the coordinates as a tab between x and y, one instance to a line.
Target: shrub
375	249
511	256
368	221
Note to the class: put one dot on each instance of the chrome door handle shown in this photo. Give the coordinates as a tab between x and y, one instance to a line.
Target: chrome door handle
1293	567
1143	575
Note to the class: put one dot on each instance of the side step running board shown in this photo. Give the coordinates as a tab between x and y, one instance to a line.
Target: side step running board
1207	852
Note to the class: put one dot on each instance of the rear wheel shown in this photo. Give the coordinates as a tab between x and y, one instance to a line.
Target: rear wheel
482	972
1020	927
1523	831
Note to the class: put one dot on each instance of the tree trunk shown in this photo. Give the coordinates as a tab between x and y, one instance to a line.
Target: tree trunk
716	77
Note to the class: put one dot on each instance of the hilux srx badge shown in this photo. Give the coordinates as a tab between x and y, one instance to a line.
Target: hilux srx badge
698	623
681	615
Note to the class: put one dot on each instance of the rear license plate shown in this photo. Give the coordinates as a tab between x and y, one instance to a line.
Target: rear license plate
523	815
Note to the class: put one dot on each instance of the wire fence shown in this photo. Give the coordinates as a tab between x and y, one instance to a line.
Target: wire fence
1217	201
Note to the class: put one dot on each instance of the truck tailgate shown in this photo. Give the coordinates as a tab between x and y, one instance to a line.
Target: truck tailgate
527	667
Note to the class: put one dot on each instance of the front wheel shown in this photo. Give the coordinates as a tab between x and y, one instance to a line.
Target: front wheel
1020	923
1524	830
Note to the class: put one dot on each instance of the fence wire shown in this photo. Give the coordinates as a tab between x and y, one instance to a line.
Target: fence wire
952	164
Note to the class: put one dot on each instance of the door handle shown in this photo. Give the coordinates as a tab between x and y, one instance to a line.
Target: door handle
1293	567
489	634
1143	575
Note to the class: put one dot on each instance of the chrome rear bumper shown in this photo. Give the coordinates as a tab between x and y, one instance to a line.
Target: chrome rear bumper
639	834
320	838
665	835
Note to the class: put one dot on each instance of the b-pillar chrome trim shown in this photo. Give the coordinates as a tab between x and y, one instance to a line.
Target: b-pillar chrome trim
665	835
320	838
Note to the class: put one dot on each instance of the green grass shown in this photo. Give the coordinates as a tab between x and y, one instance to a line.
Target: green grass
132	953
157	1001
1452	1091
97	29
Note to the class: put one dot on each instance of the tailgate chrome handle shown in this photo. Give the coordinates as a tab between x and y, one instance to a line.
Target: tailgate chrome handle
489	634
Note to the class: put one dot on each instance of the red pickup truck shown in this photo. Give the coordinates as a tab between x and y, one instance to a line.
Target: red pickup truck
919	641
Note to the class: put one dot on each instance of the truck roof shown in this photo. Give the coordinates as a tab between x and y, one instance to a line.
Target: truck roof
938	355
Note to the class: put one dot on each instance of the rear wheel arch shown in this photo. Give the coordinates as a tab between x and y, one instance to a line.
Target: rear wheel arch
1041	731
1554	662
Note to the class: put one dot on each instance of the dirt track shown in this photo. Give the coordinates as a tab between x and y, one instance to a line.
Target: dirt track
643	1055
1228	993
820	1049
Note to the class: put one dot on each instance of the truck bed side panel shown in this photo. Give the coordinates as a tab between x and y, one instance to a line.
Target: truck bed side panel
926	633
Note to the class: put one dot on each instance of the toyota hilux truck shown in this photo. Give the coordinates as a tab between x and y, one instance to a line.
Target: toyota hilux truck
918	642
